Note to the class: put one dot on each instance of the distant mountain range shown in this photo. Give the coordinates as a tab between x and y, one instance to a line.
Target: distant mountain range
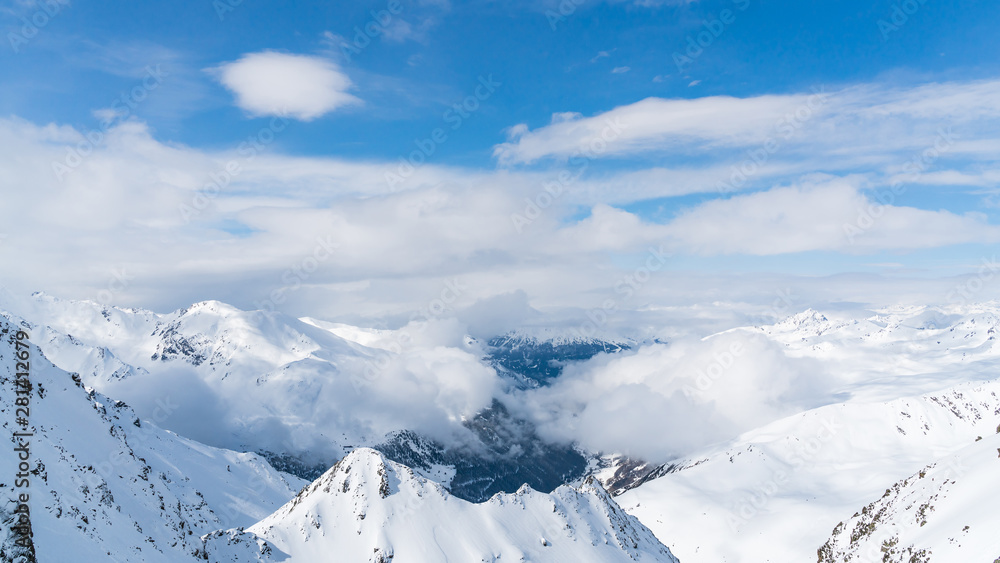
901	463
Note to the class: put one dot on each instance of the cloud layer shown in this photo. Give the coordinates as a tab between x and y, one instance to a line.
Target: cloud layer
262	229
661	401
280	84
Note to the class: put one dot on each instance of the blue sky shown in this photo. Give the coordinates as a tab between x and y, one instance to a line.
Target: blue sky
893	76
89	52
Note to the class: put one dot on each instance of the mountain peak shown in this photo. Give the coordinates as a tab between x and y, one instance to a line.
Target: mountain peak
213	306
362	477
364	470
367	504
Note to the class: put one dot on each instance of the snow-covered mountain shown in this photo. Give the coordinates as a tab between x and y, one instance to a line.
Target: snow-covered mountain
304	392
270	379
945	512
899	351
369	509
107	486
903	388
510	454
776	492
529	361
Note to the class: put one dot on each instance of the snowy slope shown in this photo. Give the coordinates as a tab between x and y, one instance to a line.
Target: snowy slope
272	382
900	351
110	487
107	486
917	384
775	493
304	392
367	508
907	386
948	511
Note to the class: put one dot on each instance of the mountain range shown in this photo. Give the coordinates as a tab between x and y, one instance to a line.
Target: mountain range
253	436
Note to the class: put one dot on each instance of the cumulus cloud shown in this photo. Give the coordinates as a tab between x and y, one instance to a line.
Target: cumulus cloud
831	215
665	400
300	86
816	214
498	314
609	228
426	376
434	381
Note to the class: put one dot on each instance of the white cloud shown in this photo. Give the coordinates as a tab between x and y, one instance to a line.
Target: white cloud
299	86
815	214
978	178
957	100
830	215
497	314
120	208
653	123
663	400
601	55
608	228
852	126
